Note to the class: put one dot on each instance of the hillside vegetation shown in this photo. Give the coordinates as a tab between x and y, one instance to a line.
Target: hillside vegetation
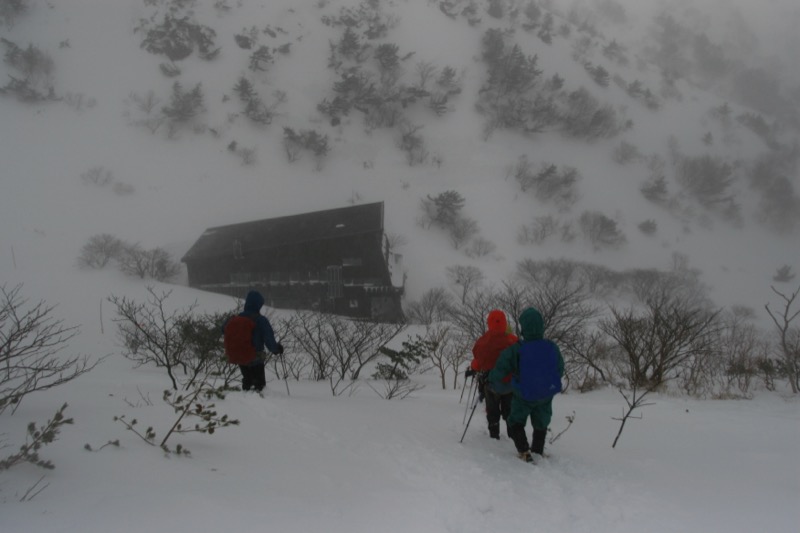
608	164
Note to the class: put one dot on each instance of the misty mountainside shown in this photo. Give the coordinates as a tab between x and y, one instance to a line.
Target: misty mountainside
657	135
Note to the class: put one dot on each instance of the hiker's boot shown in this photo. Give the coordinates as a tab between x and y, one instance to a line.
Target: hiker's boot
494	431
526	456
517	433
537	445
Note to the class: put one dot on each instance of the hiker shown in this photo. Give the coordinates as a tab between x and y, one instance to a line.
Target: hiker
486	350
537	366
253	377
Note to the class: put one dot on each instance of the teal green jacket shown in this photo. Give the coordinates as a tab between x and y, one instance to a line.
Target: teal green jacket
532	328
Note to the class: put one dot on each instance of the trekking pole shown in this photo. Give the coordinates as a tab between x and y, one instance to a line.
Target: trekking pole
278	374
473	391
464	387
474	405
285	374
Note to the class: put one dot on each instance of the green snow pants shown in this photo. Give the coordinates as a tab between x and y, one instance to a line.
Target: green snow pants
541	412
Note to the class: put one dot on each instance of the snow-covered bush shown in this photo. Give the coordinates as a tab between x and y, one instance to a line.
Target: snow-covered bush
309	140
549	184
177	37
600	230
34	68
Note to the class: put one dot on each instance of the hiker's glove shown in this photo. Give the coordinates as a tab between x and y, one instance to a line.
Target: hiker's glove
280	349
468	373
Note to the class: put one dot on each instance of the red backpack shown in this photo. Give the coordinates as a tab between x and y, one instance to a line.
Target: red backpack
238	339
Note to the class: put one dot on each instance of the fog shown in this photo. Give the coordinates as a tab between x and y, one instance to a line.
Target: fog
677	155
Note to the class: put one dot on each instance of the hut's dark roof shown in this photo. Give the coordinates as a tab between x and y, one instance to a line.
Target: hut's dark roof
293	229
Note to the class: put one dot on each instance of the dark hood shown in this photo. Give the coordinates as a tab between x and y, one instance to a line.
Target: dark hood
253	302
531	324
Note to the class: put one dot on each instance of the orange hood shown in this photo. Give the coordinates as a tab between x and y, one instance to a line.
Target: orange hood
496	321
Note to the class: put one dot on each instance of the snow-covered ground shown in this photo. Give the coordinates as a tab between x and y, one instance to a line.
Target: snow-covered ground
310	462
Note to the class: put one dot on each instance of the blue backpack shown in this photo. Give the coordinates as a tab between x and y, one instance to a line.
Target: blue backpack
539	378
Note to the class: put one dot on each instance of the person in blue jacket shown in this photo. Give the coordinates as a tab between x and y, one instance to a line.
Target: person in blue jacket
253	376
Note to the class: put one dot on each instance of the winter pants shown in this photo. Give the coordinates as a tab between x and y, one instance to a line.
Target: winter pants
253	377
497	406
540	413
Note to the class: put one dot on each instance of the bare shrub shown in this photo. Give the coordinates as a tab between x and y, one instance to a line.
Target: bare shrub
542	228
339	348
433	306
413	144
560	188
462	230
513	297
470	316
634	399
357	343
480	247
393	242
585	118
741	349
204	360
706	178
600	280
79	101
589	360
31	340
446	349
549	184
657	342
601	231
309	334
155	263
466	277
559	290
146	112
98	175
99	251
788	336
152	334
